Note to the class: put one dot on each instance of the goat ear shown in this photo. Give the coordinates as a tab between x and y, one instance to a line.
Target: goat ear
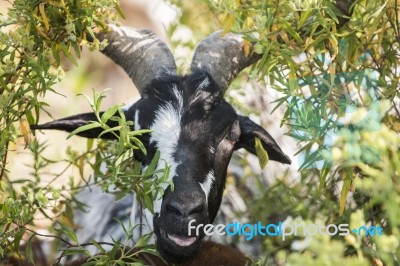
71	123
249	131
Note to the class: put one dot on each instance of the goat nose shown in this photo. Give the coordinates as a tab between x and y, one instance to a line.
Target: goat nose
183	210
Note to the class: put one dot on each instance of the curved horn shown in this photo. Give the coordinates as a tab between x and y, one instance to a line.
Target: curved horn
140	53
223	57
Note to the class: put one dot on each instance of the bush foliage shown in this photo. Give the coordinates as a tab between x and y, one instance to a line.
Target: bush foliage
336	72
338	77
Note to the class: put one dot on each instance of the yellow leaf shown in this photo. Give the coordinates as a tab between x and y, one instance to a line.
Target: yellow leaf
343	195
44	17
246	47
261	153
228	23
25	131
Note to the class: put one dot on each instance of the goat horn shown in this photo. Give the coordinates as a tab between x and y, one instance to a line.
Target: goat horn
222	57
140	53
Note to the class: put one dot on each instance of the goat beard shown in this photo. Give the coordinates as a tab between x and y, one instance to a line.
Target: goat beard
170	253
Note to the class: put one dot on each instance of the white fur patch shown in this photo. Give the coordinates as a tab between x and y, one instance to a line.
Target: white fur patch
207	184
137	125
212	150
166	131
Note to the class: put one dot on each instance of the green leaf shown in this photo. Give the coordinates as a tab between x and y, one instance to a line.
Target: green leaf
117	128
28	250
84	128
148	202
17	238
119	10
89	144
109	113
100	248
75	251
90	31
153	165
67	231
261	153
144	240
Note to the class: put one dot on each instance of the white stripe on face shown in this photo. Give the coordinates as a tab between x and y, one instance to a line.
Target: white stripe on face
207	184
166	131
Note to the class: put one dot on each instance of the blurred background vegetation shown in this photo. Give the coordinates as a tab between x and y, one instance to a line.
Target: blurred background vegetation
329	81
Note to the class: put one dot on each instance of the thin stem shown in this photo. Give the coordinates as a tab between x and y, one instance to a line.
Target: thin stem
4	161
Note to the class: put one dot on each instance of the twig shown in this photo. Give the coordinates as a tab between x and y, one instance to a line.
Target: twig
5	24
3	167
44	235
396	110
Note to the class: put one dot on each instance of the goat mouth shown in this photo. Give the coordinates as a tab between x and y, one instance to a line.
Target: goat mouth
179	240
174	245
182	241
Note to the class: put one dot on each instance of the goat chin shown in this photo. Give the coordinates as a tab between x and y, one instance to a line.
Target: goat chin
210	253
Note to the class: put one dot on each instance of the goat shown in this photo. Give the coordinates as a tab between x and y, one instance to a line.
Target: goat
195	130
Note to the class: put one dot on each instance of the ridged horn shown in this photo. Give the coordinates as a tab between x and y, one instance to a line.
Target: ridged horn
222	57
140	53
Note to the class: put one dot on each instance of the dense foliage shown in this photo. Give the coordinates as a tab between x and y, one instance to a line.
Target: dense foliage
37	35
338	78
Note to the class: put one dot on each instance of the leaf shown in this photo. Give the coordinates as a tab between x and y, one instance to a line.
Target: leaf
148	202
67	231
139	144
343	195
28	250
109	113
261	153
84	128
89	144
17	238
324	174
100	248
25	131
91	33
110	130
228	23
246	47
144	240
303	18
44	17
153	165
76	251
119	10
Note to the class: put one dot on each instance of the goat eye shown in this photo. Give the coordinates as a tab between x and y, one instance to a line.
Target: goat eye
234	133
231	136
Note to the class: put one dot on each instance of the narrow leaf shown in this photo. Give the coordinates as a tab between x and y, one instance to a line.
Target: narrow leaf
343	194
44	16
261	153
153	165
84	128
109	113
